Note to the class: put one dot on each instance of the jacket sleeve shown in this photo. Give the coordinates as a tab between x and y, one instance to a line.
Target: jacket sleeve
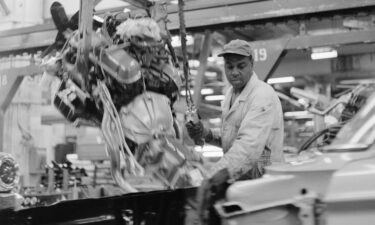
251	139
213	137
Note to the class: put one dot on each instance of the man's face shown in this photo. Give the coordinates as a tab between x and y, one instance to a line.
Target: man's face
238	70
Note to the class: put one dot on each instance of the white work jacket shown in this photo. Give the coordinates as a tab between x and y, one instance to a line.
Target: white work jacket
252	131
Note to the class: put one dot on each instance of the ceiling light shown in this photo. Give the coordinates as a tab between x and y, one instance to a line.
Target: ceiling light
207	91
183	92
214	120
210	151
193	63
358	81
176	40
214	97
210	74
323	53
204	91
279	80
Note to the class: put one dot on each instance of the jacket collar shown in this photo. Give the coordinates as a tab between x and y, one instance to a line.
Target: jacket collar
244	93
248	88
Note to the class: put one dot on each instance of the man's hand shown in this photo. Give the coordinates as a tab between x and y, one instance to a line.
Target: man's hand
210	191
196	131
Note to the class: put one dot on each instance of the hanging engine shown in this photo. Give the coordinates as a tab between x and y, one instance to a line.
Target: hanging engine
126	86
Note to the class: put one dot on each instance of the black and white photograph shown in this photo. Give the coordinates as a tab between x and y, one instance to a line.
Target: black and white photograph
187	112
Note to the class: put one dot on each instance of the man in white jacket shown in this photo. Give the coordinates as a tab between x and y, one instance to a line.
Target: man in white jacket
252	128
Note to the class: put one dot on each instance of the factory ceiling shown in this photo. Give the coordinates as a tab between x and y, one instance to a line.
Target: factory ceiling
245	19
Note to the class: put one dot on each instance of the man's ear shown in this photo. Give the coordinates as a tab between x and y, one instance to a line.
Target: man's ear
251	60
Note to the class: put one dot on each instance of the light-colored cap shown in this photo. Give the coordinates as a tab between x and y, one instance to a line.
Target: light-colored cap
239	47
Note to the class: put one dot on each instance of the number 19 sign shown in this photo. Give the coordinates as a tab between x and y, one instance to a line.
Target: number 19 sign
266	54
260	54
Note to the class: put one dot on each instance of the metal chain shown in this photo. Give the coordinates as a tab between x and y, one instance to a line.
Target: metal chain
189	99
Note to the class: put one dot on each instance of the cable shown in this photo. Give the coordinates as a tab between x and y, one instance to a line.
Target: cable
317	135
189	99
114	116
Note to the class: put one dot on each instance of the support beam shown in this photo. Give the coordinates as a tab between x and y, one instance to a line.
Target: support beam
274	66
85	31
350	37
10	80
4	7
243	35
260	10
6	98
2	115
199	79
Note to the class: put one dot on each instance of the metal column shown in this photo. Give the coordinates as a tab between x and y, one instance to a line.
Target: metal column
202	68
11	79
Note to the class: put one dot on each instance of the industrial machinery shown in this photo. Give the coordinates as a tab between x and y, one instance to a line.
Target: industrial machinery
342	108
9	177
119	73
9	174
329	186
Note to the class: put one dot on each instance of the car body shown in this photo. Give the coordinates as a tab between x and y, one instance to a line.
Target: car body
333	185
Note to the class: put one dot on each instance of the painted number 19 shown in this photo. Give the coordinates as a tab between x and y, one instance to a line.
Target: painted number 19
3	80
260	54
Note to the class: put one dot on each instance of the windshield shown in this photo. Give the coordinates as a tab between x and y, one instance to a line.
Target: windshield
361	129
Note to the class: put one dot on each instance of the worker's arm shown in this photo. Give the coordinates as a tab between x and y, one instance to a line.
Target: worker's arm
251	139
198	131
213	136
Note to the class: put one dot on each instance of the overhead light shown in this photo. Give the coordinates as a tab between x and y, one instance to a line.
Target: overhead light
323	53
176	40
193	63
183	92
210	74
204	91
358	81
210	151
193	72
214	97
279	80
207	91
99	140
214	120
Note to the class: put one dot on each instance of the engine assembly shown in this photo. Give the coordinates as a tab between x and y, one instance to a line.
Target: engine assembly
126	84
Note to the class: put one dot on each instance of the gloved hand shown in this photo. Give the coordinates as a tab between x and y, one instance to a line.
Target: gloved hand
211	190
197	131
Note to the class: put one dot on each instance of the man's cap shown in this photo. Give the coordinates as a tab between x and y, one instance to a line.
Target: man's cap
239	47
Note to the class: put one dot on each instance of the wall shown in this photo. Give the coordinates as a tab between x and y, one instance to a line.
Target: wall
22	13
